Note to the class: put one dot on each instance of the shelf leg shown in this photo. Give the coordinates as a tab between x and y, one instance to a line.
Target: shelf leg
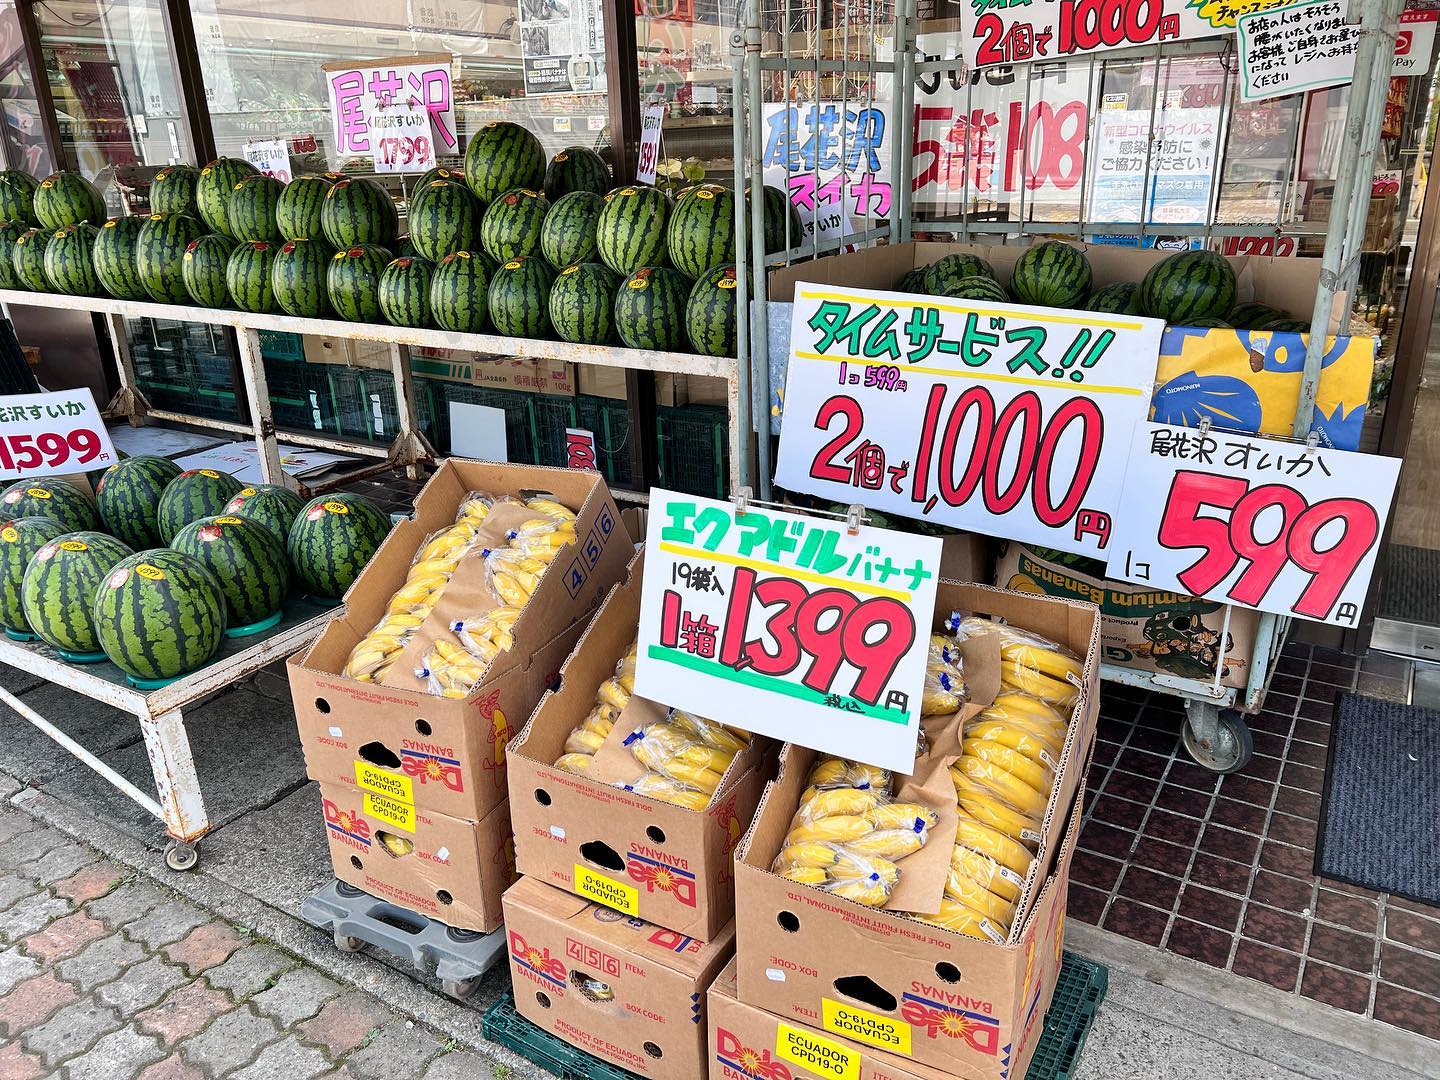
252	365
128	401
176	782
410	446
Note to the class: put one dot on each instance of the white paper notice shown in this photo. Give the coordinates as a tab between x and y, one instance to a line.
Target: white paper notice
478	431
1298	47
650	143
271	157
400	135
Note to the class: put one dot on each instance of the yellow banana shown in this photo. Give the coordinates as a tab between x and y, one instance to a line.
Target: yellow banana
835	830
1004	850
911	816
805	875
1030	681
612	693
1018	736
1000	880
833	801
809	855
667	790
395	846
583	742
888	843
871	891
596	723
849	865
1039	777
700	778
828	771
956	916
973	894
1008	786
576	763
868	776
1011	704
988	809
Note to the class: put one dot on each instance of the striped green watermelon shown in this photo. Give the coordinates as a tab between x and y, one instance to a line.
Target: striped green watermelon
568	235
439	172
650	309
501	156
172	190
19	540
780	215
511	227
67	198
459	292
1252	315
940	275
1051	274
576	168
128	498
114	258
444	217
215	187
332	539
1209	322
701	234
582	302
1189	285
405	248
711	313
404	293
17	198
70	260
160	252
352	281
631	230
27	260
159	614
194	494
519	298
247	276
247	559
297	277
253	203
1287	326
10	231
202	268
272	505
297	213
359	211
912	281
48	496
59	585
979	287
1122	298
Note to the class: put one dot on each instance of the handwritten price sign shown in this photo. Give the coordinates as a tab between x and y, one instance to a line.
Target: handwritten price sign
1253	521
995	418
786	625
52	433
401	136
580	449
648	162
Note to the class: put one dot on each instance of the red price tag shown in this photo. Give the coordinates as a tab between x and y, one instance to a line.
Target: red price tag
24	453
579	449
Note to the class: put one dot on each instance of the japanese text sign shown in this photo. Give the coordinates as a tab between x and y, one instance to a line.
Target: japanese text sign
1287	50
1414	42
51	434
1257	522
400	136
787	625
995	418
649	161
1174	150
358	89
271	157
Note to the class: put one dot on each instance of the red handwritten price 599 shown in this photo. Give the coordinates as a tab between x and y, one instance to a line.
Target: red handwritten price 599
23	452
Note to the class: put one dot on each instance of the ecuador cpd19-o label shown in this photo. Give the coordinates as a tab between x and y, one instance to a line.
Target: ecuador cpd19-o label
607	891
816	1054
862	1025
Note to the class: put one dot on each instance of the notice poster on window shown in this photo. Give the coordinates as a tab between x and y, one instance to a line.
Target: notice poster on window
562	45
1295	48
271	157
1178	156
359	89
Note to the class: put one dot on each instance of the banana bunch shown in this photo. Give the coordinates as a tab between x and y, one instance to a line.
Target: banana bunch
1032	664
450	670
658	786
590	734
945	689
955	916
670	750
488	634
396	847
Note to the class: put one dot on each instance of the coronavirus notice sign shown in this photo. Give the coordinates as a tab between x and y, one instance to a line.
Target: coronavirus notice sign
787	625
995	418
1252	521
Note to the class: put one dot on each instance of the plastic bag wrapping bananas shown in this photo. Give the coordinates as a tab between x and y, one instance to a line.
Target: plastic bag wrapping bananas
590	734
945	690
1030	663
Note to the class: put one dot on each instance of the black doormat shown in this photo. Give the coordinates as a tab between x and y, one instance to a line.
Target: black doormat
1410	589
1380	813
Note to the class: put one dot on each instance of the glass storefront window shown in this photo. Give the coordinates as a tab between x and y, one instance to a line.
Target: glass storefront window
24	134
685	64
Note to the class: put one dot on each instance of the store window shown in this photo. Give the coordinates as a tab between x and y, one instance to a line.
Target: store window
687	68
24	134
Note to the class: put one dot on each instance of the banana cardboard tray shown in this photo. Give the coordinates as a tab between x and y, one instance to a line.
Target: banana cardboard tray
425	721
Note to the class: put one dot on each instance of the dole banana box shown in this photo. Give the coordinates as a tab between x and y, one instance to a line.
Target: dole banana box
932	996
666	864
438	754
622	989
441	867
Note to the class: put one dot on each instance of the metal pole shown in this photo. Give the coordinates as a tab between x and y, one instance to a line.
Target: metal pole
759	317
40	82
189	78
738	388
252	364
622	75
902	162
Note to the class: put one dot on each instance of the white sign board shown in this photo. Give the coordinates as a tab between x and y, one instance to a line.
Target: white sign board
1246	520
1414	42
788	626
995	418
52	434
271	157
649	160
358	89
401	140
1175	149
1298	47
478	431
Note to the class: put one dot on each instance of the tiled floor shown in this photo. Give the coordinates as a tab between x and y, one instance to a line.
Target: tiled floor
1221	870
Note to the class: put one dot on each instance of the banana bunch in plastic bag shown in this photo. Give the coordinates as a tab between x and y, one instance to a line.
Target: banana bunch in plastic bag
515	569
945	689
590	734
1029	663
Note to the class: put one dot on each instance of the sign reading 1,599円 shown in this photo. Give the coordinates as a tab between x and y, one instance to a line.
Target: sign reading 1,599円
996	418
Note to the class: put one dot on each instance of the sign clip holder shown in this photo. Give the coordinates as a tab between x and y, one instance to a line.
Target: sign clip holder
854	516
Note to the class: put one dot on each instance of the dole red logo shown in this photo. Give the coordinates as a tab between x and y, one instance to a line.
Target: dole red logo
346	826
659	877
939	1020
537	961
731	1052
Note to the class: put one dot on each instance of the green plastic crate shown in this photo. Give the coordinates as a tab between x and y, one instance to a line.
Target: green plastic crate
503	1025
550	415
350	400
691	449
299	395
281	345
519	420
609	420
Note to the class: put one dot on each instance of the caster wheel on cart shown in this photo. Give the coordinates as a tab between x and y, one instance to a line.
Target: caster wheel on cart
1230	749
181	857
348	944
460	989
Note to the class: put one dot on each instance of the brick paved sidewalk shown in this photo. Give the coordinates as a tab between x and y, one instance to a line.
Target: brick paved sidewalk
105	977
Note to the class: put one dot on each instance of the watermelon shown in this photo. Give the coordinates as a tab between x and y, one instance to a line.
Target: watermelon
631	230
711	313
511	227
67	198
650	309
459	292
19	540
352	281
114	258
501	156
128	498
444	217
59	586
1209	322
332	539
781	213
981	287
297	212
194	494
202	268
1189	285
48	496
1253	315
27	260
10	231
568	235
1287	326
1051	274
247	559
272	505
159	614
297	277
70	260
939	276
253	203
582	302
359	211
1122	298
439	172
17	198
172	190
247	276
576	168
405	248
519	298
215	187
404	292
701	234
160	252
